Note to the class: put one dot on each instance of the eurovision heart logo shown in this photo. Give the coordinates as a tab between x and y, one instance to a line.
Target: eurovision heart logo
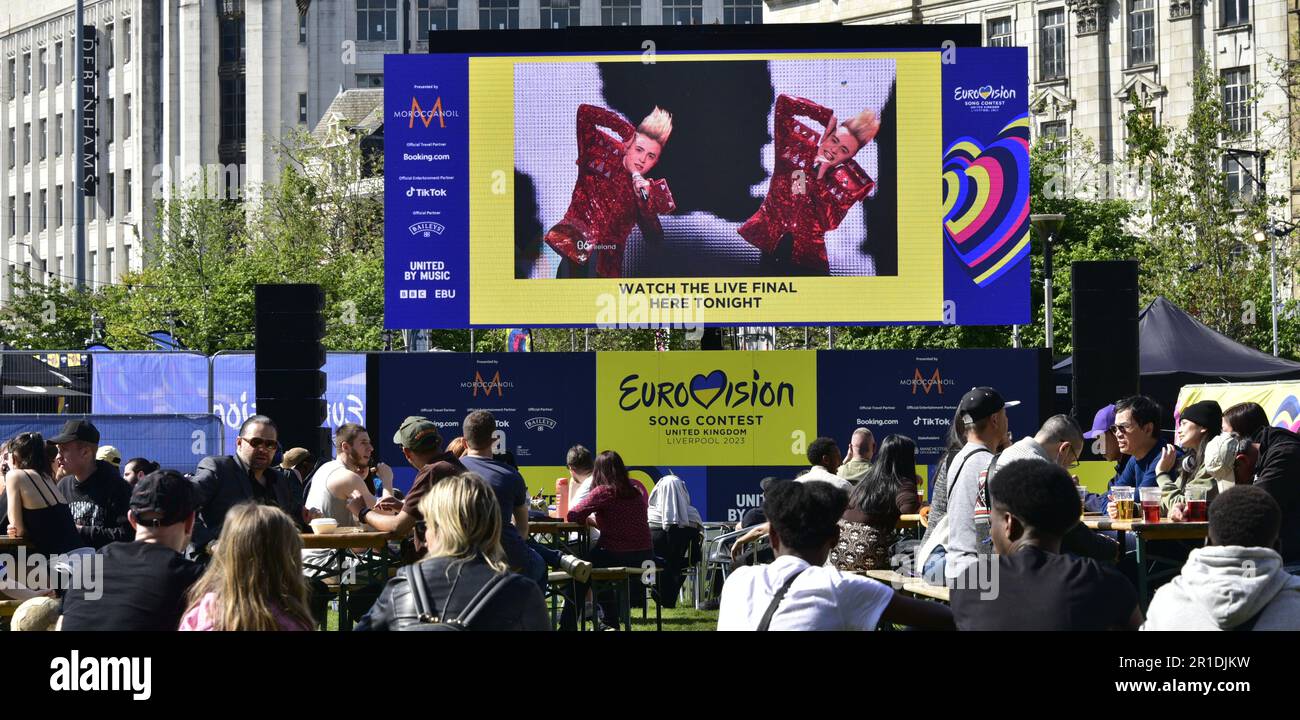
986	201
708	386
985	92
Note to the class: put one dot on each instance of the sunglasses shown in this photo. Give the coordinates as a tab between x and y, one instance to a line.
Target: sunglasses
260	443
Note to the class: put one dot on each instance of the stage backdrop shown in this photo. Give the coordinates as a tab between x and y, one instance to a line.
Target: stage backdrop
513	196
721	421
1280	400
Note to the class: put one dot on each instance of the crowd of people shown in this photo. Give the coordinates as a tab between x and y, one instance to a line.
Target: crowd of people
222	548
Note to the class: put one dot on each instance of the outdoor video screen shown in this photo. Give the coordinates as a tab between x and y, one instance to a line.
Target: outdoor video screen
692	188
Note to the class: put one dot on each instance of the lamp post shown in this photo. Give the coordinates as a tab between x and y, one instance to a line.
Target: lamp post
1274	231
1047	226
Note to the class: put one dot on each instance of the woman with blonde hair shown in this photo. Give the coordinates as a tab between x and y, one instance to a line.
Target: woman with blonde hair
255	580
464	579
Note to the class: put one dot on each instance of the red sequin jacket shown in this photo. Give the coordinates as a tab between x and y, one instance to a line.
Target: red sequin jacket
808	213
605	204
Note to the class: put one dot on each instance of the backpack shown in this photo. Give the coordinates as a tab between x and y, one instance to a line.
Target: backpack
426	618
939	535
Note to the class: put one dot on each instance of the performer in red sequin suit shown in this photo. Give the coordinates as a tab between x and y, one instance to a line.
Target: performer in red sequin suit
612	192
814	183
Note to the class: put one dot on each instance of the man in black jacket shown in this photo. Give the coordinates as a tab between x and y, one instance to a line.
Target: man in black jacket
1272	459
96	493
222	482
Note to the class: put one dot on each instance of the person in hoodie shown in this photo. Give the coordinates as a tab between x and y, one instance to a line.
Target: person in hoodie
1237	582
96	493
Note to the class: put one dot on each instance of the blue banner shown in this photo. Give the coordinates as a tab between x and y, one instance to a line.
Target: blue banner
149	383
426	191
234	391
915	392
544	403
176	442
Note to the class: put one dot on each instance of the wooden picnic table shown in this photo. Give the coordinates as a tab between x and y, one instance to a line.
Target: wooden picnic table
558	529
12	542
343	541
1143	532
913	586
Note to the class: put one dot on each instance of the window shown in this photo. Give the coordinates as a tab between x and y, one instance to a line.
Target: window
12	77
302	28
126	118
557	14
109	104
27	143
13	227
302	108
45	209
126	258
92	209
999	32
232	39
376	20
1141	32
1235	12
27	213
1051	44
40	70
58	63
26	70
620	12
1236	99
107	41
498	14
58	134
112	266
370	80
441	15
56	211
13	147
40	138
742	12
683	12
110	196
92	269
1238	178
126	37
130	201
232	109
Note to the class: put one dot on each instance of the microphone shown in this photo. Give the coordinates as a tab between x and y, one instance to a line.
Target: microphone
637	177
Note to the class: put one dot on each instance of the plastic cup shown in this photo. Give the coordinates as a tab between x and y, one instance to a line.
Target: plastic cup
1150	497
1197	510
1123	499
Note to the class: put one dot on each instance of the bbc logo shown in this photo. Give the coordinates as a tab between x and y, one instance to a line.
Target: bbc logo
412	294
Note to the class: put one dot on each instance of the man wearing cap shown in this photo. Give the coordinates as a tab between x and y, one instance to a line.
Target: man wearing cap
983	418
221	482
422	446
300	462
96	493
110	455
1103	426
143	584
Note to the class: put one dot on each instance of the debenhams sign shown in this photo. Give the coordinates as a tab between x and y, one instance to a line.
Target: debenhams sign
89	103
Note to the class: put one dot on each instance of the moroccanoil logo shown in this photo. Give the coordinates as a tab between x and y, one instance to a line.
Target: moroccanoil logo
704	391
487	385
935	381
426	116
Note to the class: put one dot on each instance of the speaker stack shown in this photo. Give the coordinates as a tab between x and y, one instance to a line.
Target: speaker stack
289	357
1104	303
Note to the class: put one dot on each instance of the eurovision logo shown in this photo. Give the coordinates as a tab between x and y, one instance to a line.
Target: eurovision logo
539	424
427	229
704	390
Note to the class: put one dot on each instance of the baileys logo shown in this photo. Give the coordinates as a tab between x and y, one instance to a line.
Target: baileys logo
704	390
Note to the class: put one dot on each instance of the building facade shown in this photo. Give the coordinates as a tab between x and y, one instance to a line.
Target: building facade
1088	59
198	95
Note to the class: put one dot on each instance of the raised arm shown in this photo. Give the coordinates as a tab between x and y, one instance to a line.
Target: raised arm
789	107
592	117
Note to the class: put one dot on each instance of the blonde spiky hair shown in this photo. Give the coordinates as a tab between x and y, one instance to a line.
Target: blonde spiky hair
863	127
657	126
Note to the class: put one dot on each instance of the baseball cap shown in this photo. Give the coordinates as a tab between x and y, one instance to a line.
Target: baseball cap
1101	422
293	457
982	402
163	497
418	433
110	454
76	430
1221	455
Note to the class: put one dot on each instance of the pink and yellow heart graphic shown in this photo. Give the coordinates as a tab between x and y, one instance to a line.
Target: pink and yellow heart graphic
986	201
